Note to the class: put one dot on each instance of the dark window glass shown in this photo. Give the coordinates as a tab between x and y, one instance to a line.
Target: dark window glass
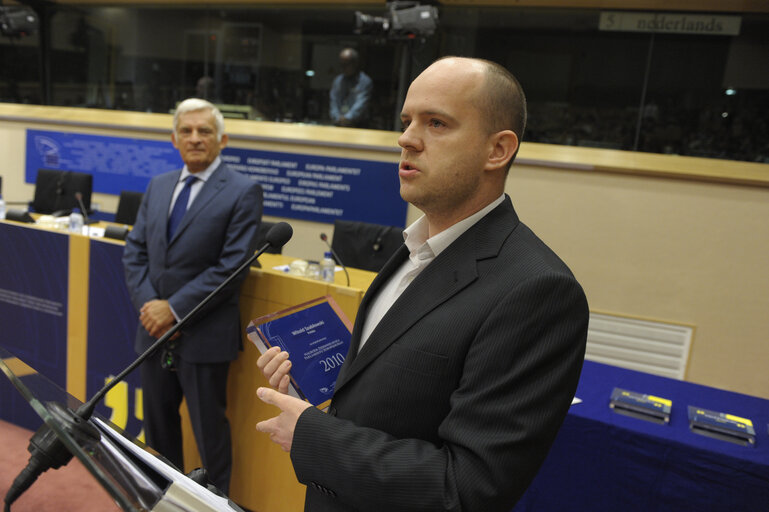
677	93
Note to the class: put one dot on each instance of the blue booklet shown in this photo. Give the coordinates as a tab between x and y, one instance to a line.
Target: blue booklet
641	405
719	425
316	336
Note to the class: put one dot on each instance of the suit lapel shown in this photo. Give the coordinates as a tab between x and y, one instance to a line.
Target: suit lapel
453	270
211	188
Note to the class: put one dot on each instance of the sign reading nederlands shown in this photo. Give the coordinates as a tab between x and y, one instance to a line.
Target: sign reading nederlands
297	186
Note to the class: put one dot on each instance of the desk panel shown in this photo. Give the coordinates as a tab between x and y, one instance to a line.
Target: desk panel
263	478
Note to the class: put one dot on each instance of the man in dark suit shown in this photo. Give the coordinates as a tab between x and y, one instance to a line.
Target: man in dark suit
195	226
468	345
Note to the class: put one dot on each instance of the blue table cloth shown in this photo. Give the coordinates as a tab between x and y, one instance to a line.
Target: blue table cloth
605	461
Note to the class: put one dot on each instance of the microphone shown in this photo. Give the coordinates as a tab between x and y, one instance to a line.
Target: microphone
60	182
380	237
48	451
338	260
79	198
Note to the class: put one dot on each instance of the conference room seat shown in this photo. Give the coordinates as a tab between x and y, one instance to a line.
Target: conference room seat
128	207
365	245
55	191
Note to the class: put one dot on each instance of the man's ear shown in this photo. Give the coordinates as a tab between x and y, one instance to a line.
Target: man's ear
173	139
503	144
223	142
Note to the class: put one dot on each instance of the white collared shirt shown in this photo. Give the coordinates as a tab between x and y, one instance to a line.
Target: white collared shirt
422	251
196	187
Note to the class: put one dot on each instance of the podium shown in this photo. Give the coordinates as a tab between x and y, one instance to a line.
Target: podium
136	478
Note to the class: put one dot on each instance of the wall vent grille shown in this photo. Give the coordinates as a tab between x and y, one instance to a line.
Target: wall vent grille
643	345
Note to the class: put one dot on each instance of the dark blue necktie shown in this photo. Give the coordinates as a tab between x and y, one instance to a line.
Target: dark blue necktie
180	206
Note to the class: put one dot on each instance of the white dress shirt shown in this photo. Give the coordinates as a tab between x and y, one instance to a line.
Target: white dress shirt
195	188
422	251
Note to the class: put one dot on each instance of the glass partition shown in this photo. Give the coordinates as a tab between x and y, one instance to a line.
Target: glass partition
693	83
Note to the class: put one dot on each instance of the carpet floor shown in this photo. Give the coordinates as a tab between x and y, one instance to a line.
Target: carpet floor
68	489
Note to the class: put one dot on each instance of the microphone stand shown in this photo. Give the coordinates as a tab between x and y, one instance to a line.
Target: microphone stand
48	451
86	219
86	410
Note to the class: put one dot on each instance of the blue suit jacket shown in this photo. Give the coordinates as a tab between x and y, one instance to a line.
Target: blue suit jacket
456	397
215	236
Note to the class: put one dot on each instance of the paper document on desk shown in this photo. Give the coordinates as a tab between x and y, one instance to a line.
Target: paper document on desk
184	488
94	231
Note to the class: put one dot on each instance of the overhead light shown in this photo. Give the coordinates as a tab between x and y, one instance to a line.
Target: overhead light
309	72
731	92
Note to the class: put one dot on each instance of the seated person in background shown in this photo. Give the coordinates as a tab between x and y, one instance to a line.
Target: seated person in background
204	88
350	92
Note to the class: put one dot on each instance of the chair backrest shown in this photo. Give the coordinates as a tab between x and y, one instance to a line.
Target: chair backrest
55	190
128	207
365	245
264	227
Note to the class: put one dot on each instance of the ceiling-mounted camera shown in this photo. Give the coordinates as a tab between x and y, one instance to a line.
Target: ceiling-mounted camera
403	20
17	21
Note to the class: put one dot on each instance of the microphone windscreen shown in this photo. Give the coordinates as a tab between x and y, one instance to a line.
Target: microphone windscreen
279	234
324	237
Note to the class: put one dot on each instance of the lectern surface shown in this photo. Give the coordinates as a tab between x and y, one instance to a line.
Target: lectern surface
136	479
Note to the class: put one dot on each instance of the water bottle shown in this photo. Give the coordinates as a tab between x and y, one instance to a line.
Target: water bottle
327	268
76	221
2	207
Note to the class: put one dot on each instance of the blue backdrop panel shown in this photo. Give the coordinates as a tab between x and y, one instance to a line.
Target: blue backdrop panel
117	163
112	322
297	186
33	310
323	189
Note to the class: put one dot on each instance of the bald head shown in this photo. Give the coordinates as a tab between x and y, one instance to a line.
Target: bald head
499	97
348	59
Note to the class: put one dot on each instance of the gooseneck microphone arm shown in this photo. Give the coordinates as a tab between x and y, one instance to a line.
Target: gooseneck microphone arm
48	451
338	260
79	197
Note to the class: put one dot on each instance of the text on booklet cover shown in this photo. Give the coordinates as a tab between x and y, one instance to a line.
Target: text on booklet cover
719	425
316	336
640	405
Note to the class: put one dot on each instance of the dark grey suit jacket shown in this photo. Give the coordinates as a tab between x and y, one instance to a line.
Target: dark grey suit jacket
215	236
456	397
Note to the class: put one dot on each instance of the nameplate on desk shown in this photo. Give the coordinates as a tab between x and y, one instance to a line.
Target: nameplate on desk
316	336
723	426
642	406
